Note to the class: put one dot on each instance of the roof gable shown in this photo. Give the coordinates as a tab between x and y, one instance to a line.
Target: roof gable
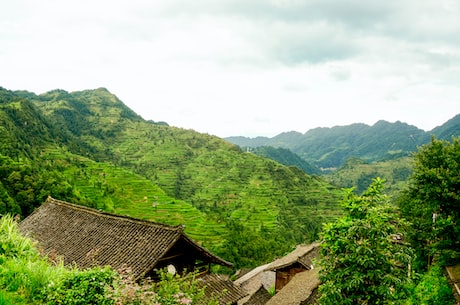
302	255
89	237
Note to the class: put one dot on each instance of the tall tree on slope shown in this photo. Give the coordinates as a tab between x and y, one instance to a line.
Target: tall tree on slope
363	257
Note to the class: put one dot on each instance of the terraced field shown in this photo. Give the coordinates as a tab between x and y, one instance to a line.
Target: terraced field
120	191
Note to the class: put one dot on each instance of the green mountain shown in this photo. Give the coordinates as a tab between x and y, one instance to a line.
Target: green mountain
286	157
358	174
89	148
448	130
330	148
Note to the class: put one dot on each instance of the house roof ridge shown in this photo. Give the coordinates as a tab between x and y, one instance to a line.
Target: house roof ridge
86	209
293	256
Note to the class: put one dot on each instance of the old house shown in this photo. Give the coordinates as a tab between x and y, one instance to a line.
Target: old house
301	290
299	260
88	237
256	283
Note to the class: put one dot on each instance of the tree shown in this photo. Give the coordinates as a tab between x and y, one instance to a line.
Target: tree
432	202
363	258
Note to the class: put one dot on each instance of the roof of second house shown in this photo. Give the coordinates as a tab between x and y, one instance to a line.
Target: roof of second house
298	290
89	237
302	255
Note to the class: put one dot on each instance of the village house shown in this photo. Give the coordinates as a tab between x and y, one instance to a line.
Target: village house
88	237
299	260
294	278
256	283
301	290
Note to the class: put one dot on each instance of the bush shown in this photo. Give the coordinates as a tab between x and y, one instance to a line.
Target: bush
433	289
13	244
87	287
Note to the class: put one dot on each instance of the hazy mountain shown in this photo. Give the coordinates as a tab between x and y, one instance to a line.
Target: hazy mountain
331	147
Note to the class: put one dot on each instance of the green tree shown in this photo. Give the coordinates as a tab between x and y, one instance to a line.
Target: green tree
432	202
363	259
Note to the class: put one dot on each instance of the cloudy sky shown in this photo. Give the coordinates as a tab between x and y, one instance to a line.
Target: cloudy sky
243	67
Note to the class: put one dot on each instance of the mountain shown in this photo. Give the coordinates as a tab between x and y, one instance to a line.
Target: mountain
286	157
448	130
330	148
89	148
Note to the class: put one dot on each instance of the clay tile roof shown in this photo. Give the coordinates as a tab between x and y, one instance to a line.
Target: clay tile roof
302	255
298	290
220	286
89	237
260	297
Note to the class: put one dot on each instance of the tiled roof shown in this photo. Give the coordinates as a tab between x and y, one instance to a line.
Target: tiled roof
298	290
303	255
260	297
253	280
89	237
221	287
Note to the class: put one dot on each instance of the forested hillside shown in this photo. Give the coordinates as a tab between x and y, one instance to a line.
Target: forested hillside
330	148
89	148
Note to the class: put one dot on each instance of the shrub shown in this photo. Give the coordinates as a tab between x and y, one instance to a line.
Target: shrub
170	290
87	287
13	244
433	289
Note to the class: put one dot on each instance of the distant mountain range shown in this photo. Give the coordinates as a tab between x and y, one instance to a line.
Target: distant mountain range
330	148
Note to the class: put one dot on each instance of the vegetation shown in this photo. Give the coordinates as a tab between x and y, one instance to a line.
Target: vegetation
431	203
359	174
363	258
286	157
433	289
367	255
28	278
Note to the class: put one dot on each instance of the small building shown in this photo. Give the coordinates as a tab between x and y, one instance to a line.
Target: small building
256	283
88	237
301	290
299	260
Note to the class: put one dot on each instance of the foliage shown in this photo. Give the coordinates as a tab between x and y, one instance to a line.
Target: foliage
81	288
243	246
22	271
432	202
169	290
175	289
433	289
25	184
363	259
358	173
13	244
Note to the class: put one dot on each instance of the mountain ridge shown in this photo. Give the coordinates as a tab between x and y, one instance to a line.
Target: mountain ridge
330	147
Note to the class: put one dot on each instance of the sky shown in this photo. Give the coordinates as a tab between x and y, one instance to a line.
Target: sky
243	67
